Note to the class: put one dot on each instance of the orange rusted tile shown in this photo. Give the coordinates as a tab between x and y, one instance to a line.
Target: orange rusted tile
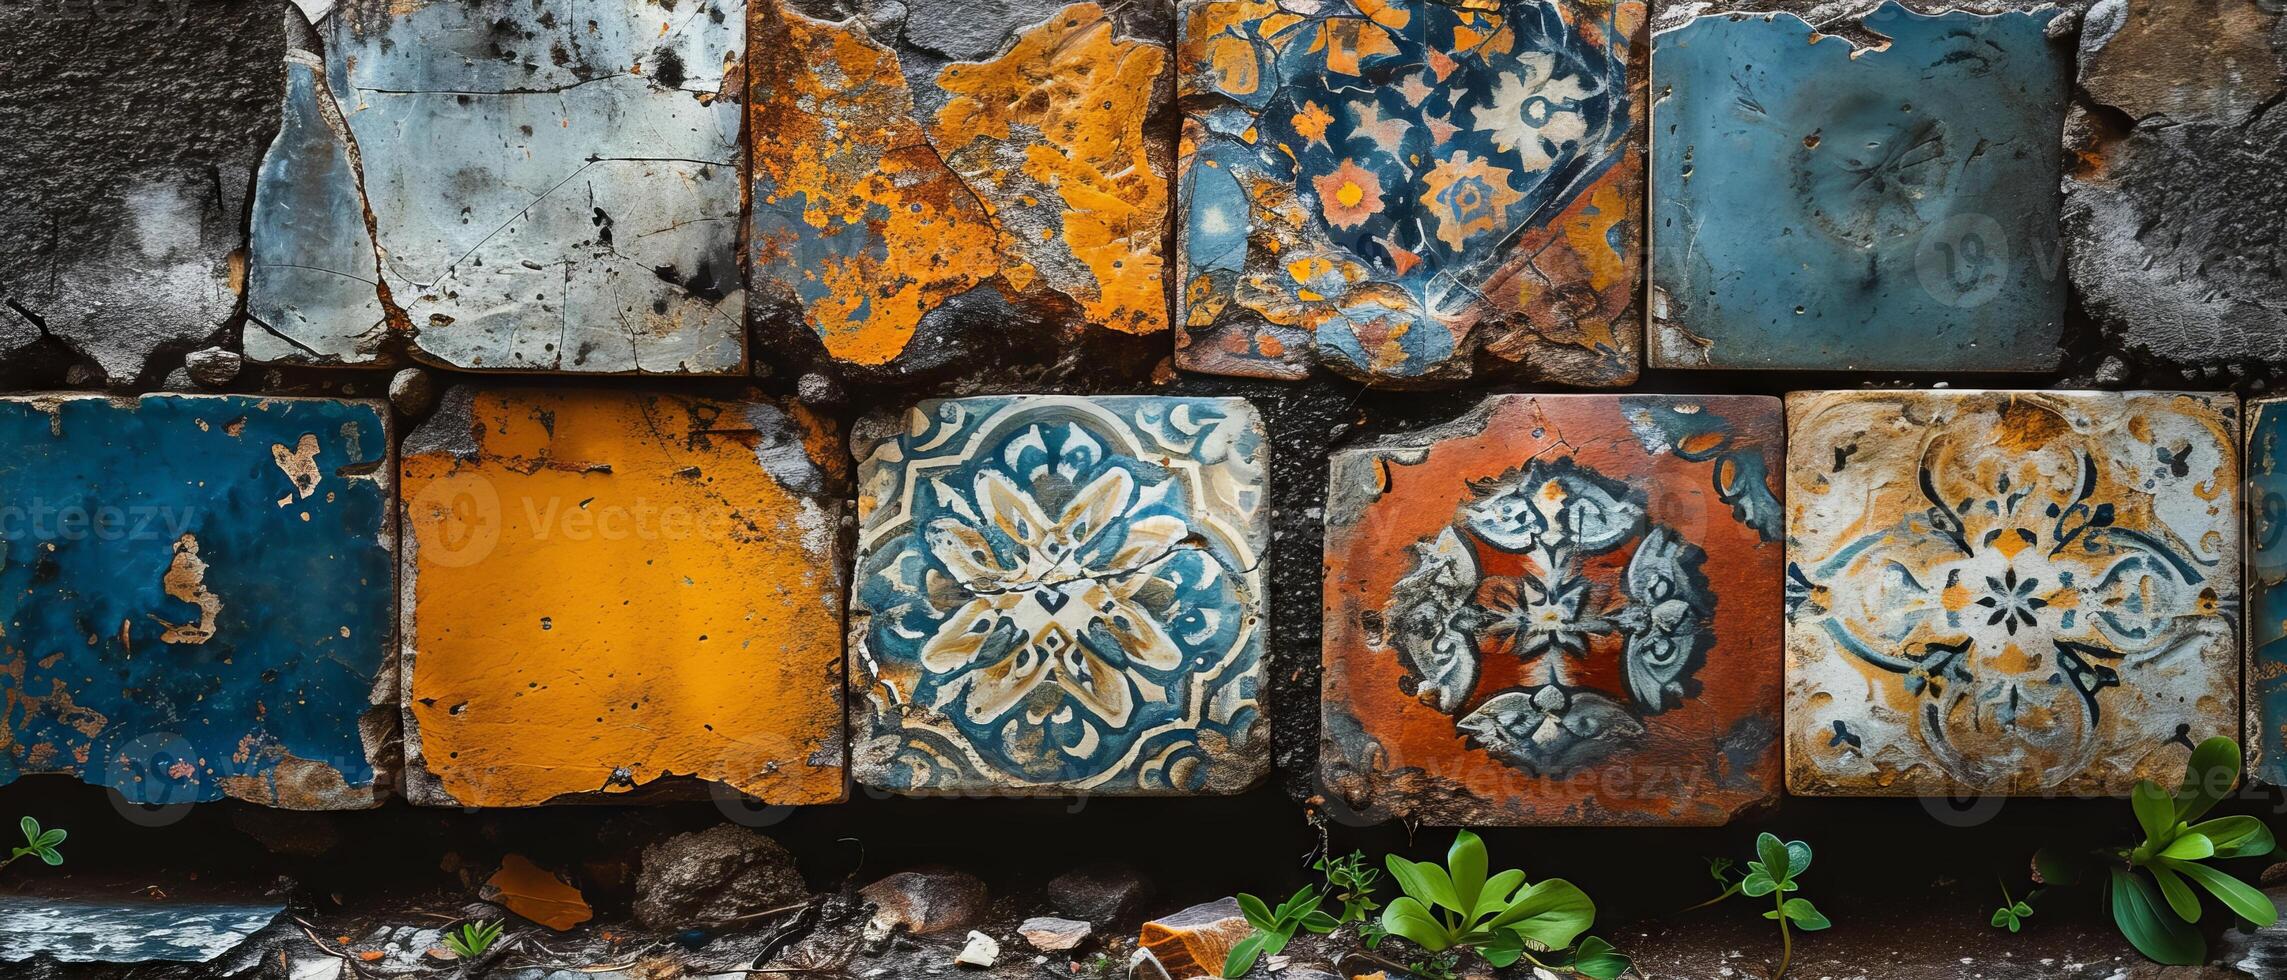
195	597
2008	592
1412	192
1559	609
606	588
925	188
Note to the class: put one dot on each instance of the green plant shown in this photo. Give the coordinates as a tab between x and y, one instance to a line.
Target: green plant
2013	911
1274	928
39	843
2148	887
472	939
1774	871
1350	882
1500	917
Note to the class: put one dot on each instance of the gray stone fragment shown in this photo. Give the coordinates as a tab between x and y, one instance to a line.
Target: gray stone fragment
133	131
1054	935
412	391
213	367
1102	894
923	902
714	876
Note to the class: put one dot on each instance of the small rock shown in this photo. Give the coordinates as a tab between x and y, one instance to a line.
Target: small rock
1052	934
412	391
1144	966
714	876
981	951
213	366
1196	941
179	380
2112	370
1103	893
818	390
924	901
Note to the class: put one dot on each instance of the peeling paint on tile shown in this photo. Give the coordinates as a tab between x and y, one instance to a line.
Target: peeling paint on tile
1060	595
1558	609
2266	503
2008	592
2173	197
1817	205
671	607
1412	193
182	622
896	185
542	187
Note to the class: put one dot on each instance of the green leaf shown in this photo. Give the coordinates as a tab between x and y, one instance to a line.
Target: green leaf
2022	909
1550	913
1757	884
1320	922
2181	900
1497	894
2208	778
51	857
1798	858
2155	812
2242	898
1243	956
1596	959
1467	860
2237	836
1774	857
1503	949
31	829
1720	869
1424	881
50	838
1804	915
1408	917
1258	914
2189	846
2001	917
2149	926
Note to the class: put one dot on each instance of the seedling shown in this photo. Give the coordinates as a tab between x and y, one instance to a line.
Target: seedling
1773	873
1274	928
38	843
472	939
1501	917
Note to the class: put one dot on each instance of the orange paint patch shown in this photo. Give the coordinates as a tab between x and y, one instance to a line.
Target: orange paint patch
534	893
602	589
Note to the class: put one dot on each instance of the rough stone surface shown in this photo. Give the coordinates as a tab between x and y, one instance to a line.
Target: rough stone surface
213	367
197	596
2266	505
924	902
1817	205
2008	592
714	876
709	649
940	185
1195	942
1412	193
1061	595
2172	199
412	391
134	132
1558	610
980	951
503	185
1101	894
1052	934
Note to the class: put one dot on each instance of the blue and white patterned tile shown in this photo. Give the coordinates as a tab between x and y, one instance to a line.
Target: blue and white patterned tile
1062	595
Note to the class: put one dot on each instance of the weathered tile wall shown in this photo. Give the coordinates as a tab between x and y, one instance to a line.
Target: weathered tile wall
1409	193
195	596
1058	595
2008	592
1558	609
602	589
1545	609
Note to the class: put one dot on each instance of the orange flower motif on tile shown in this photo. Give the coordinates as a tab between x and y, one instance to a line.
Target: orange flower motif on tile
1312	121
1467	196
1349	195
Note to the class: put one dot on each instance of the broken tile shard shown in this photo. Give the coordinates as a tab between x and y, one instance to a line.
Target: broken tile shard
1818	206
1557	610
1412	193
2171	197
926	186
676	608
198	597
507	186
2267	590
1061	595
2008	592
